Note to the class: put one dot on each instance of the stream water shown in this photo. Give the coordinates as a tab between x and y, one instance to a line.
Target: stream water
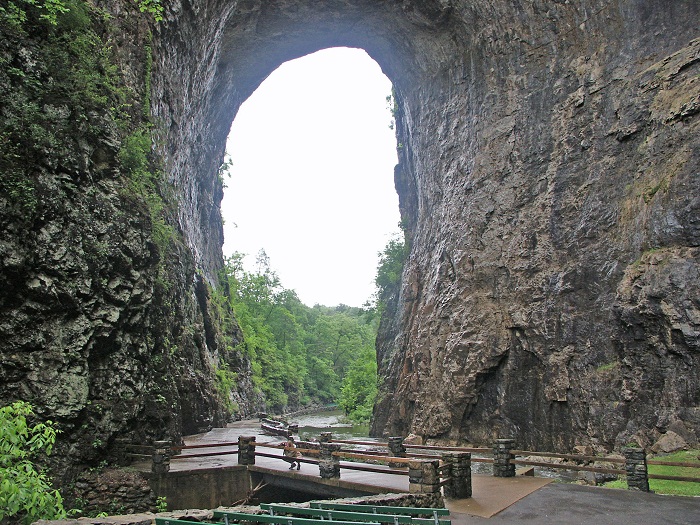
310	428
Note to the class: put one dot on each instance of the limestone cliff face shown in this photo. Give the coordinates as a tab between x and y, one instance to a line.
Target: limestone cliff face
548	179
104	329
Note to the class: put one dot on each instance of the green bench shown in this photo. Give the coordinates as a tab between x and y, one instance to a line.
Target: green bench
375	509
173	521
278	520
323	512
335	515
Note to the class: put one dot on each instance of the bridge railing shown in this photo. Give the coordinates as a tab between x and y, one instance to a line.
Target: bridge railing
428	467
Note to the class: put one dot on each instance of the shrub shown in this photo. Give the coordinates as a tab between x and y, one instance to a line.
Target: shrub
25	492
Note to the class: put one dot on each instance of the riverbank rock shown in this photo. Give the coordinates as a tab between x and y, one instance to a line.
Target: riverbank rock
669	442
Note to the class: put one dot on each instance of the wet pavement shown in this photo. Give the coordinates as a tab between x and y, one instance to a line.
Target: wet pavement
567	504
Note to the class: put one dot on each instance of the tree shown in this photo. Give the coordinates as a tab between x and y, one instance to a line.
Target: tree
299	354
25	492
390	268
360	387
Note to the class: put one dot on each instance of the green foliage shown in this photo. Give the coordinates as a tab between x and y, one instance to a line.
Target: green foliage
299	354
56	74
392	106
224	170
20	190
360	387
26	493
225	383
134	159
608	367
152	7
390	268
17	12
161	504
148	54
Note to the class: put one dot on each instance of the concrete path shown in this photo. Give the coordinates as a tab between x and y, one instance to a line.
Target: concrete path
566	504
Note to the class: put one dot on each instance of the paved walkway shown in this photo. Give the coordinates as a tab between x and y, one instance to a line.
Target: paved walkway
567	504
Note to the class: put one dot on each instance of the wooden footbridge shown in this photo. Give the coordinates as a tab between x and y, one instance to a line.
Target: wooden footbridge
350	468
333	469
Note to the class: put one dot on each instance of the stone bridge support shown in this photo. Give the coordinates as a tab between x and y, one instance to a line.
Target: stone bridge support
459	472
328	464
502	456
636	467
423	476
246	450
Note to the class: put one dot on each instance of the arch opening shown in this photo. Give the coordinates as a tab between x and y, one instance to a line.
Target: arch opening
312	155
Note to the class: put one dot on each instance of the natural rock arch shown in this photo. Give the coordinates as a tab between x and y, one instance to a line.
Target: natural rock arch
230	48
548	161
517	127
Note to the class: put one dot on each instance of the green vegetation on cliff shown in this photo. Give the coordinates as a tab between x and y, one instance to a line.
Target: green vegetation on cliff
82	200
55	77
389	269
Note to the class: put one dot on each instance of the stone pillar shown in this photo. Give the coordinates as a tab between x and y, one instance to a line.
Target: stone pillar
246	450
460	473
396	450
502	466
636	467
161	457
326	437
423	477
328	464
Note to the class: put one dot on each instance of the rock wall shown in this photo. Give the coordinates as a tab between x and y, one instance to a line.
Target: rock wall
104	328
547	158
551	290
548	181
112	491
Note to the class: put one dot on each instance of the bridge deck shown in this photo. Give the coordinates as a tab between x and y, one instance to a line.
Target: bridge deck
490	495
555	504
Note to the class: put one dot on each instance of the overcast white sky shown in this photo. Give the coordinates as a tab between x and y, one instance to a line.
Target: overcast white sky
312	176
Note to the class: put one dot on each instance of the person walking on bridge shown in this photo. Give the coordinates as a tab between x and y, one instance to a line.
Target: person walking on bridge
291	454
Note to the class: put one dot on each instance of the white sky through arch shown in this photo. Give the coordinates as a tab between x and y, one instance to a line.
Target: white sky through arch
312	176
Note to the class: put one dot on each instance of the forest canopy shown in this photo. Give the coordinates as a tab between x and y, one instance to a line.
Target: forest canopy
303	355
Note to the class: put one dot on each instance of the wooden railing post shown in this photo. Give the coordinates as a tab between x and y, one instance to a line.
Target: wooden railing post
636	467
459	472
246	450
502	456
423	477
161	457
328	464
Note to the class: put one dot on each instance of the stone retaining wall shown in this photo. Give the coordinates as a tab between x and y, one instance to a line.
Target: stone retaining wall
115	491
395	500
